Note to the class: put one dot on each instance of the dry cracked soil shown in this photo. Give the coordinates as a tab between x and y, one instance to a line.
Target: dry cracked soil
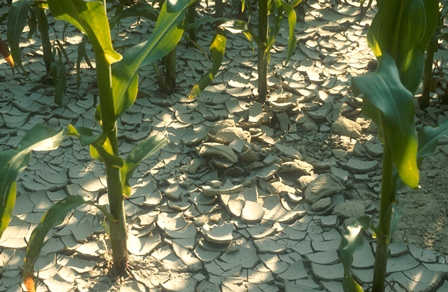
247	196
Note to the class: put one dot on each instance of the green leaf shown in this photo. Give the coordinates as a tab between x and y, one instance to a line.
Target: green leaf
39	138
395	215
89	17
411	71
428	138
17	18
292	19
217	50
274	28
100	147
143	150
389	104
140	9
402	29
7	203
351	241
164	38
54	216
60	81
397	27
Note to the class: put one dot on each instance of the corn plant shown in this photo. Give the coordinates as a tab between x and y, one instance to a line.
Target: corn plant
431	49
117	78
265	39
398	37
33	12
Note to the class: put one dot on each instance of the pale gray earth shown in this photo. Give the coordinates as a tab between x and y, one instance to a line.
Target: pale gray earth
246	197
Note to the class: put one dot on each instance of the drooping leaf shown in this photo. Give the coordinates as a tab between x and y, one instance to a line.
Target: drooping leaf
100	147
292	19
89	17
60	81
389	104
54	216
428	138
164	38
351	241
17	18
39	138
217	50
143	150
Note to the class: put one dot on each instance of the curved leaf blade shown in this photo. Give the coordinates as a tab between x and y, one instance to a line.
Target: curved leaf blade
403	29
217	50
54	216
292	19
389	104
351	241
140	9
428	138
164	38
89	17
397	27
7	203
17	18
39	138
143	150
411	72
100	147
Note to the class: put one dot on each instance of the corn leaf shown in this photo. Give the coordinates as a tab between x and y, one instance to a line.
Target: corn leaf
89	17
39	138
411	72
351	241
389	104
428	138
100	147
217	50
54	216
143	150
292	19
164	38
17	18
402	29
140	9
